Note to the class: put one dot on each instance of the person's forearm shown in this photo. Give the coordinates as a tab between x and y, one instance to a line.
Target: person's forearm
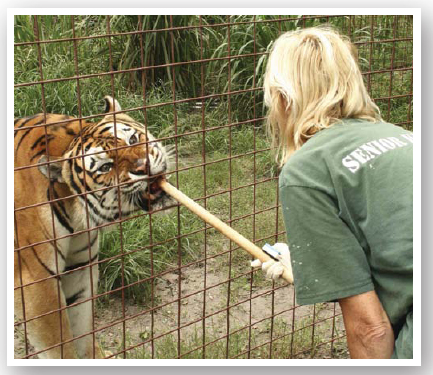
373	342
368	328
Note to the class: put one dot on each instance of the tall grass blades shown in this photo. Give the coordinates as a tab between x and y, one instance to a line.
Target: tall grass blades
153	59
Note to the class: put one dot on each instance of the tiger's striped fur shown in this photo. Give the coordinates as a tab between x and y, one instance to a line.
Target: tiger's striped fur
90	178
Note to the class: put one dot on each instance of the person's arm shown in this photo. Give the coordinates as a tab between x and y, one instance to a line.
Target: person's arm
369	332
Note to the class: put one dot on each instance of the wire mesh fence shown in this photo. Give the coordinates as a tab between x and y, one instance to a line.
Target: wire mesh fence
169	286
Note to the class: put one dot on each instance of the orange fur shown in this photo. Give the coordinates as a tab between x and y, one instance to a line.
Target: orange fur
34	225
67	187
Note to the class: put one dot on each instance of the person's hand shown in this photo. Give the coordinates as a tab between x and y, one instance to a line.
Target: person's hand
275	268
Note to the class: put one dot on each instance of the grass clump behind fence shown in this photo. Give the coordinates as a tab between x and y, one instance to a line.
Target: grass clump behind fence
211	55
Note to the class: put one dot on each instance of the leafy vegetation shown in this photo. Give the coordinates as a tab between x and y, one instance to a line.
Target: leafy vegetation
192	56
197	61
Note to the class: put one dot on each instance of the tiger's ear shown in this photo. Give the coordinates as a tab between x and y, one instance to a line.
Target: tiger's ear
111	105
52	171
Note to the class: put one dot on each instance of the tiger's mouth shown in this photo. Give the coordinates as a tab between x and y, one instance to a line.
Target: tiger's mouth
152	195
154	190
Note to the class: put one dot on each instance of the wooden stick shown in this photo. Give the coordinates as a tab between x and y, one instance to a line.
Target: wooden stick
219	225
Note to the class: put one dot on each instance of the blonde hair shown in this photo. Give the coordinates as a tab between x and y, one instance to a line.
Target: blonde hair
312	80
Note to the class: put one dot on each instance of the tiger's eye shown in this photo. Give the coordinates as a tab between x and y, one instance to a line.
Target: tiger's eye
133	139
105	168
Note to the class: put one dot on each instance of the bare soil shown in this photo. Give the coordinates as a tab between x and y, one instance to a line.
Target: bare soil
296	331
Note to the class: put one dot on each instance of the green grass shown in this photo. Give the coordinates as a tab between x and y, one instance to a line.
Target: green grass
207	138
300	343
136	235
216	143
248	34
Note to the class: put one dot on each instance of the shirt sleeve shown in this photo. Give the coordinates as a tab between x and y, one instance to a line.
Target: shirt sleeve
327	260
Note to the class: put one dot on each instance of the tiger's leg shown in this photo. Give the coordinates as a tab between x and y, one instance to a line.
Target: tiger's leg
78	287
46	326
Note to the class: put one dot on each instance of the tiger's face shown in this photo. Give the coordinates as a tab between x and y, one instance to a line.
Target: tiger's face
115	166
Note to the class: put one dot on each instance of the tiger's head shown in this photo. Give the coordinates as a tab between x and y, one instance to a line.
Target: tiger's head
113	166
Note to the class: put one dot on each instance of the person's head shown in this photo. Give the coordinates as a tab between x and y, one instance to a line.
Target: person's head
312	80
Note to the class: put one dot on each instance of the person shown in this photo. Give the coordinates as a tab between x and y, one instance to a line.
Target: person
345	189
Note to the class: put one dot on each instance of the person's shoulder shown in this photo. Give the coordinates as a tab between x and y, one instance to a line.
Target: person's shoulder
303	165
327	147
315	156
362	127
313	150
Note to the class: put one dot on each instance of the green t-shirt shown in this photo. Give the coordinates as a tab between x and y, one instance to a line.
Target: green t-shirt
346	196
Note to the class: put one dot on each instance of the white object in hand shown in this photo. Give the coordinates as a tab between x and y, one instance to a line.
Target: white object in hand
275	268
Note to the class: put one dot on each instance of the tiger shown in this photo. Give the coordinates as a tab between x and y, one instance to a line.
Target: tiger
83	175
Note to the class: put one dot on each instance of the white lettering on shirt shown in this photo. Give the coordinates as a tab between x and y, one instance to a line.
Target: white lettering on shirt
408	137
397	141
378	145
351	164
370	150
358	154
387	143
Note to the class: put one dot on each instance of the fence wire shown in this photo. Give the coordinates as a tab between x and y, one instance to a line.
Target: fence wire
170	286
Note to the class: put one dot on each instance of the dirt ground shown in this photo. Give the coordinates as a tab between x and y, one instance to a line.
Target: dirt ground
314	326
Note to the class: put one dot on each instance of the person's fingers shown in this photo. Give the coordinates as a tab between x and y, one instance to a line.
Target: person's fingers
256	263
275	271
267	265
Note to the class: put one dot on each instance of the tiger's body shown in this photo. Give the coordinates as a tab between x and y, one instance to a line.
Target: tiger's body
90	178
